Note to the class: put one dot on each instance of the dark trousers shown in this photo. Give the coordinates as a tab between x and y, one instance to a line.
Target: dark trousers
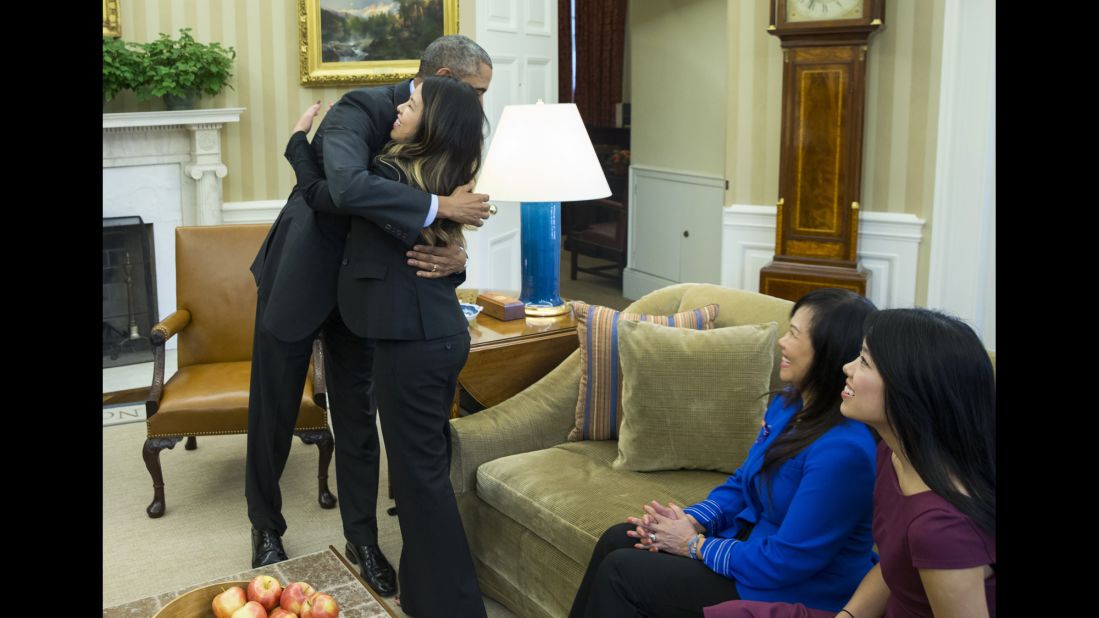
624	581
278	377
414	385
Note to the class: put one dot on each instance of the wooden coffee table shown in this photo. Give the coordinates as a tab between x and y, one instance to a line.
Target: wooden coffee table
506	357
327	571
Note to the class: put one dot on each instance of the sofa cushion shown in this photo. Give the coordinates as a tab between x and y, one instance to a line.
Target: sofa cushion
599	403
569	494
691	399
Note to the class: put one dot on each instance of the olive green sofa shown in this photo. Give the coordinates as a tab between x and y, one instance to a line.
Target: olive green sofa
533	504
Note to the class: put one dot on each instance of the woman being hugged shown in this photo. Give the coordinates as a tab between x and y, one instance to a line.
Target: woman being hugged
420	335
924	381
791	524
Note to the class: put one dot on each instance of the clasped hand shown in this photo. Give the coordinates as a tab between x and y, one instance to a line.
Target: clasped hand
673	528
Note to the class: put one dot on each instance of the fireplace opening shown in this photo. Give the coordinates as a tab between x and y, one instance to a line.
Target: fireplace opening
129	291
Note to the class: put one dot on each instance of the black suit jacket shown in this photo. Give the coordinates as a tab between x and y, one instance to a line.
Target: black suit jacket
379	294
298	265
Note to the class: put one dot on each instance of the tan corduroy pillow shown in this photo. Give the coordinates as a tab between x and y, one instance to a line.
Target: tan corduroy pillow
691	399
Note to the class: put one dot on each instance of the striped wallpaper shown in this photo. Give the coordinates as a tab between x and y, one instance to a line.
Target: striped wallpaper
902	107
901	118
902	104
265	82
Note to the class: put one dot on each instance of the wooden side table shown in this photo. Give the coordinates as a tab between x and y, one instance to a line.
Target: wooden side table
506	357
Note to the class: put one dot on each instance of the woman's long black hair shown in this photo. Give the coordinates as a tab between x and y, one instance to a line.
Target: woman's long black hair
445	151
835	332
940	402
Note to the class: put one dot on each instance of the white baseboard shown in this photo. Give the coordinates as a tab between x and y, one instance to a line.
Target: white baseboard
888	247
263	211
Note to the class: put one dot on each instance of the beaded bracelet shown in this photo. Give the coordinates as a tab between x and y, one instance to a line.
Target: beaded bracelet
692	546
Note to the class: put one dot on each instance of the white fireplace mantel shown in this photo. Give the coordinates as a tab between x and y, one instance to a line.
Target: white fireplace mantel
185	117
166	168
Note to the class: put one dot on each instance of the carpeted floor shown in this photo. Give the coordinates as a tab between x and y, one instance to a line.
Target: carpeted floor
591	289
204	533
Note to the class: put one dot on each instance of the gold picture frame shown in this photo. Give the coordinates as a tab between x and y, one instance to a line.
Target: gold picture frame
111	25
316	71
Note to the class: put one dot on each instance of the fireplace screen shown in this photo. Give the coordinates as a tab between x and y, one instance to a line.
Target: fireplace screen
129	291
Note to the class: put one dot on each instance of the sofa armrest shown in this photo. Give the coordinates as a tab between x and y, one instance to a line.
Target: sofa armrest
538	417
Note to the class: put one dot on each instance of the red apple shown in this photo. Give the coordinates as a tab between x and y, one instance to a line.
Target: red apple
293	596
281	613
229	601
265	590
251	609
320	605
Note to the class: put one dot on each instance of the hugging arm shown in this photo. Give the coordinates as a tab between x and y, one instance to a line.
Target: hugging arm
433	262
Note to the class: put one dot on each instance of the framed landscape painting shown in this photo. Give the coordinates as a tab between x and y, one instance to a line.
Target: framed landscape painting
368	42
110	19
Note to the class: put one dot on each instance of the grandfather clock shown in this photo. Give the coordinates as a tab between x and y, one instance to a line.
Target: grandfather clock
824	46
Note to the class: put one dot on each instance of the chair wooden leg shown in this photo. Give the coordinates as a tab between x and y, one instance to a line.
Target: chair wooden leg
151	453
323	439
192	443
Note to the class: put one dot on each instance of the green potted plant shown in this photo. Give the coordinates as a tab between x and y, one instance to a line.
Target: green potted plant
122	67
180	70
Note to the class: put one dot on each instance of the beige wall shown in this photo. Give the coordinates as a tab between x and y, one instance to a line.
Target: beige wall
903	72
705	81
265	80
677	84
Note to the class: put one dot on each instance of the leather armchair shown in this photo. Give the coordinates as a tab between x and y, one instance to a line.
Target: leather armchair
214	320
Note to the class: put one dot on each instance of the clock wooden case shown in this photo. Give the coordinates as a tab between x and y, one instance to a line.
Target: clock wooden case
824	47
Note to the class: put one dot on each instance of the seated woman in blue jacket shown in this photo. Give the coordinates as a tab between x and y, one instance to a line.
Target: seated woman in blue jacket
791	524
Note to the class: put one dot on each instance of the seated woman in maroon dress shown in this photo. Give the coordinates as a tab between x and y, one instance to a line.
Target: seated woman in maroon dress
925	383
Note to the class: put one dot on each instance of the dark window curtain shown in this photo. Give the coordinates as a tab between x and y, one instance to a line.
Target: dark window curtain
600	42
564	52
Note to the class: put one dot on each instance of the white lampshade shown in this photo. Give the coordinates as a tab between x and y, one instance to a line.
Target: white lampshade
542	153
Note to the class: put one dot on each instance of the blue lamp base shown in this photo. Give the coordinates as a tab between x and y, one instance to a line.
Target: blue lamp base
541	250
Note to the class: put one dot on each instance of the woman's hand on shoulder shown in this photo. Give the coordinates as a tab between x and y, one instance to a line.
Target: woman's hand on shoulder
305	123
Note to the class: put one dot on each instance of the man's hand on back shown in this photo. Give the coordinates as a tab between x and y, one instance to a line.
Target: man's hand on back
464	207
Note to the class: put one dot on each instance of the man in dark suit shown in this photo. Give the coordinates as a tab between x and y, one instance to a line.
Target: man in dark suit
296	272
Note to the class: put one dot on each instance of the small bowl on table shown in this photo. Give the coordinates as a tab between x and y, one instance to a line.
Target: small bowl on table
471	311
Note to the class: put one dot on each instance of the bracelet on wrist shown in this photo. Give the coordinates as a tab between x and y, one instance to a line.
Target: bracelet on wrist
847	611
692	546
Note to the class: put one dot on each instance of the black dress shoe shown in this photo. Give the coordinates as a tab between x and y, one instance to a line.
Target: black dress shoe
374	568
266	548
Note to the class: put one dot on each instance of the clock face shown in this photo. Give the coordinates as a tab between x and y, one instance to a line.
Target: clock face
823	10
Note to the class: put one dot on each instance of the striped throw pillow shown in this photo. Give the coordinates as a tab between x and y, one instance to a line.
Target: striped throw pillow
599	405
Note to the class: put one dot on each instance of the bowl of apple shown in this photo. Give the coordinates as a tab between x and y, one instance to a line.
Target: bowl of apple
261	597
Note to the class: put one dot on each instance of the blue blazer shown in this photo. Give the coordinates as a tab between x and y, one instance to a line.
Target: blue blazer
811	541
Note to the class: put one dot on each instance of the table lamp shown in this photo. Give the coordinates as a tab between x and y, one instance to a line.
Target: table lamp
540	156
